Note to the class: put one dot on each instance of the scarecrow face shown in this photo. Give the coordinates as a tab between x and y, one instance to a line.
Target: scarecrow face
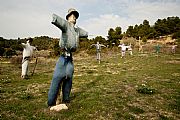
72	19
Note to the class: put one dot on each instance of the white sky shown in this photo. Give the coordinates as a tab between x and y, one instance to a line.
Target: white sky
32	18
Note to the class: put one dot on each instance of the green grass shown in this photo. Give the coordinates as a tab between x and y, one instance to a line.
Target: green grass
115	89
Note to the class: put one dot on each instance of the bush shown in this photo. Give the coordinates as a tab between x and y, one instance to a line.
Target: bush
143	89
2	50
144	39
9	52
176	35
128	41
16	60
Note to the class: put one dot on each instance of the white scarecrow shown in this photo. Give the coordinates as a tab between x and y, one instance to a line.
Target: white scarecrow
123	50
27	54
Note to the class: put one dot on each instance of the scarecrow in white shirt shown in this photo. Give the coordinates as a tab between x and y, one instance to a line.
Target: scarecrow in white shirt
27	54
123	50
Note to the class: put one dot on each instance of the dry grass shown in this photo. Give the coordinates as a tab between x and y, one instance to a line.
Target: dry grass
106	91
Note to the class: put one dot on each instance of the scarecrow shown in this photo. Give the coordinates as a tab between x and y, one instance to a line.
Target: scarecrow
173	48
98	50
157	48
123	50
64	69
27	54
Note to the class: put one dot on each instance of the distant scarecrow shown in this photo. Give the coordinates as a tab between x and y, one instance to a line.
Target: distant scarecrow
27	54
173	48
123	50
98	50
63	73
157	48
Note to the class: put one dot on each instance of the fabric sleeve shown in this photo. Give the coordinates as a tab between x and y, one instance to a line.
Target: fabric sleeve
102	45
59	22
92	44
34	48
23	44
82	33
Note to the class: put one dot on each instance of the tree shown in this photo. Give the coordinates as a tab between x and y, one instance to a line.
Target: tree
9	52
117	34
161	27
152	33
111	33
171	25
140	31
129	31
42	42
99	39
135	32
2	42
118	31
146	23
2	50
114	36
176	35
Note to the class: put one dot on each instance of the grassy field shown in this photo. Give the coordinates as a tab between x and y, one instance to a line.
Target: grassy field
142	86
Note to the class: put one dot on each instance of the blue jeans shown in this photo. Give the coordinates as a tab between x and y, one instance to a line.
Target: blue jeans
63	75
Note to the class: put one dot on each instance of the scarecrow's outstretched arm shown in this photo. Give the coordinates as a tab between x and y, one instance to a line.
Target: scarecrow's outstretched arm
93	45
23	45
83	33
59	22
103	45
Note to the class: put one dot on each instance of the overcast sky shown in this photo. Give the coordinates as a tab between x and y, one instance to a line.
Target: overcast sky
32	18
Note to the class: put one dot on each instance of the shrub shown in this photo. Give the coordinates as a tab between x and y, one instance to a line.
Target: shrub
16	60
9	52
145	90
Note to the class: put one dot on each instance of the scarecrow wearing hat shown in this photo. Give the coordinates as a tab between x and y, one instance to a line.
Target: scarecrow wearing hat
27	54
64	68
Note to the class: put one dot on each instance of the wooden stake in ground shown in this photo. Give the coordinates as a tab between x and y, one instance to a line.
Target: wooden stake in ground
34	66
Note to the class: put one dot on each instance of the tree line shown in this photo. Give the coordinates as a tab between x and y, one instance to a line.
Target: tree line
12	46
162	27
144	31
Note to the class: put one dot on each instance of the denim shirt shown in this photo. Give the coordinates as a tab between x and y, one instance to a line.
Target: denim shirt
70	35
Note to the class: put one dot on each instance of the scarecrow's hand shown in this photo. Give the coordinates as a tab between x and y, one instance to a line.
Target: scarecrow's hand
54	19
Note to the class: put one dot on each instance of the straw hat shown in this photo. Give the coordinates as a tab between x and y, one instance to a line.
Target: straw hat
72	11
